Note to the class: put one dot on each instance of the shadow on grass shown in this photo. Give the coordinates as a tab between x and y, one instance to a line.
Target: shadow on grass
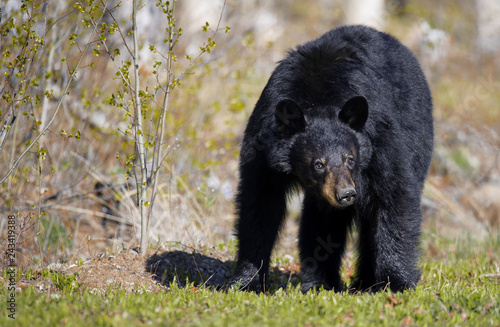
201	270
183	268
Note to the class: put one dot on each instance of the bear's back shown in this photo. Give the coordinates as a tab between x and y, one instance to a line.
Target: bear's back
350	61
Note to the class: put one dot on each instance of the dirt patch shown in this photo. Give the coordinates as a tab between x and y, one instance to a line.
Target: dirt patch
129	271
124	270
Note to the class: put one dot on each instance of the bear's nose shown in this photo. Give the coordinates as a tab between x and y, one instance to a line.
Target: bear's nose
347	196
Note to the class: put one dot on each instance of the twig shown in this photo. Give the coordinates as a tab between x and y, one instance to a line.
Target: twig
253	277
494	275
109	52
65	92
92	212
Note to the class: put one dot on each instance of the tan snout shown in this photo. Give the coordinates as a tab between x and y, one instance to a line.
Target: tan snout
339	190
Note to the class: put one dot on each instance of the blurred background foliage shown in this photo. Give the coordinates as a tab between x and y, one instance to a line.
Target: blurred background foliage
72	194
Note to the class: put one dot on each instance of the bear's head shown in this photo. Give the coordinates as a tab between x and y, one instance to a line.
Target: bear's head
327	148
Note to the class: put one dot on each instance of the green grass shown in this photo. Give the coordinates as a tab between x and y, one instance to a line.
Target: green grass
460	287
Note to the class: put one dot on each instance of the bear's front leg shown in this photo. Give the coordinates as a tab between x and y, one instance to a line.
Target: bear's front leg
261	206
322	237
388	249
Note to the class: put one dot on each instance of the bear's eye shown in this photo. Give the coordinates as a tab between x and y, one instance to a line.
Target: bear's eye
350	161
318	165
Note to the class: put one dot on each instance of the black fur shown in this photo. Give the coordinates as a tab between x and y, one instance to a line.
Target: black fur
347	118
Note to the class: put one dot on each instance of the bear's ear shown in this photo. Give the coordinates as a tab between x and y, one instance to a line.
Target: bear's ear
289	117
355	112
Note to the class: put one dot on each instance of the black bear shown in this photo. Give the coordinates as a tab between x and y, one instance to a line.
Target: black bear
347	118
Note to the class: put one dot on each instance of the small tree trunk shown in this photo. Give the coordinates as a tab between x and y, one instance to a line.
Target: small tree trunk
141	177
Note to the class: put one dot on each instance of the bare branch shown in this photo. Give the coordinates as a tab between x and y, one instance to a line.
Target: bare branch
65	92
